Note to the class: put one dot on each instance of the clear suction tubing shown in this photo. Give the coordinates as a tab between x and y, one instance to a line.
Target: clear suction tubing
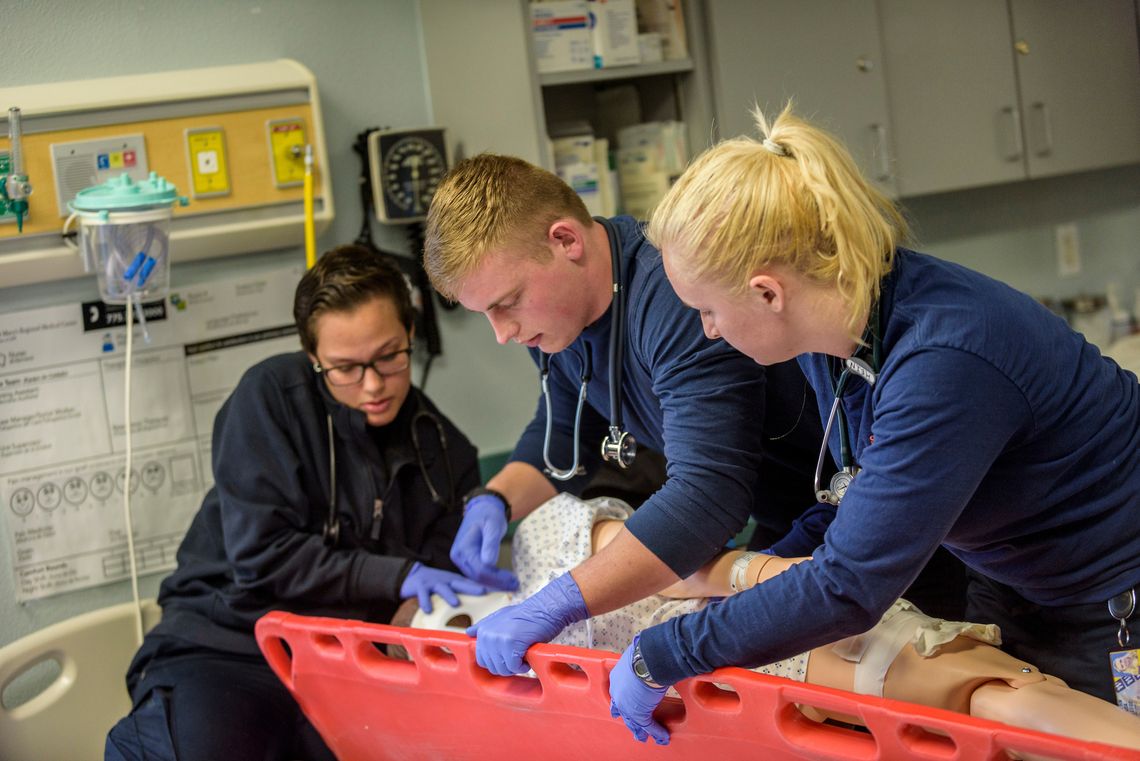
124	236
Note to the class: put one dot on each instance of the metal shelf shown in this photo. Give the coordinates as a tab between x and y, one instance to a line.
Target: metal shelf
556	78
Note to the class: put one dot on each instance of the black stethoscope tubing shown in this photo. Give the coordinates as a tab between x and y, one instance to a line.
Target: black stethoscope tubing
848	469
436	496
331	530
618	445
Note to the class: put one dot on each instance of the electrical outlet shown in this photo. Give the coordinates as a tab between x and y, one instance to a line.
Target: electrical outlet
1068	250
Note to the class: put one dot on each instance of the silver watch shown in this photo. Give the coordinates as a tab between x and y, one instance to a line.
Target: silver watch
640	670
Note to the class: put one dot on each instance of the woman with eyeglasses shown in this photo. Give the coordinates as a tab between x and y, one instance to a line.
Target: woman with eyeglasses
335	494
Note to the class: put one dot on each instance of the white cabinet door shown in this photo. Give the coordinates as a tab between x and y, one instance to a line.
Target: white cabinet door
825	54
1079	71
950	78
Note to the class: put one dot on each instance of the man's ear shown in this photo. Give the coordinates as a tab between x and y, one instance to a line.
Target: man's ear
313	359
565	235
769	290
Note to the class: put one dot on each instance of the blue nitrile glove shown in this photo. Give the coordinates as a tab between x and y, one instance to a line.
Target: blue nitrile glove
506	635
423	581
633	701
475	550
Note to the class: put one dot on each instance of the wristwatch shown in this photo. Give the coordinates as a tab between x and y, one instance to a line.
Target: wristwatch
481	490
640	670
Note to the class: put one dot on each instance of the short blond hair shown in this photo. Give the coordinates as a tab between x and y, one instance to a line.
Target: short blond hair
794	197
489	202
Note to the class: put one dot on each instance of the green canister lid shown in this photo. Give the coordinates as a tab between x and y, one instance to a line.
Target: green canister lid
124	194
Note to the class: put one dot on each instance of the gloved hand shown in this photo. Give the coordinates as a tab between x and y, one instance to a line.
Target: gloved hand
424	581
506	635
633	701
475	550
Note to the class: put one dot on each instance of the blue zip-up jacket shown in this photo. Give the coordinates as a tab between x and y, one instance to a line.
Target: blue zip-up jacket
737	437
993	429
257	542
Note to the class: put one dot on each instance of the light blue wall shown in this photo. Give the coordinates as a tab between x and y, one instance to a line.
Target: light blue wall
1007	231
367	58
365	54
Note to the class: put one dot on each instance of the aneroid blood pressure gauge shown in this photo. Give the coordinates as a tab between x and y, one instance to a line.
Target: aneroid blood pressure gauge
407	166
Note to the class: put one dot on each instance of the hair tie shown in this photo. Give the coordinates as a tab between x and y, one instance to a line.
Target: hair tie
773	147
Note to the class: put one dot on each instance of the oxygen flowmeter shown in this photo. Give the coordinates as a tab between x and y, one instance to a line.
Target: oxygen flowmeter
14	185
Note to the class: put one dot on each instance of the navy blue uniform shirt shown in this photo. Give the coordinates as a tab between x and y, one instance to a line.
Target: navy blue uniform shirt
257	543
993	429
737	437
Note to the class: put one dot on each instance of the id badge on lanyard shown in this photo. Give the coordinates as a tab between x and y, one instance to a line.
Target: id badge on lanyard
1125	662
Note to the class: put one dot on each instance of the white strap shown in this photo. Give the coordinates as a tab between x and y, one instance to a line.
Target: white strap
739	567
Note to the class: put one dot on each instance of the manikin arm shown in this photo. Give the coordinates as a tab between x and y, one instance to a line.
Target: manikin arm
712	579
967	676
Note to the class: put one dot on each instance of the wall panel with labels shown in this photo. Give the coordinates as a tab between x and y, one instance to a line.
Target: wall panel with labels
230	138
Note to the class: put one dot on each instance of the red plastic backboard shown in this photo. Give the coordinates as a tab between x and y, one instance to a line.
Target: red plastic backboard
442	705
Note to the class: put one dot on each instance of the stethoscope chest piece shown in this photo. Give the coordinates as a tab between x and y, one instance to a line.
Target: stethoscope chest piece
833	495
620	447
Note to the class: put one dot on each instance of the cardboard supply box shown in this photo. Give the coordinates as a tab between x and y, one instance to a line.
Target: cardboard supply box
614	33
642	180
650	47
582	161
583	179
667	18
562	37
666	140
573	149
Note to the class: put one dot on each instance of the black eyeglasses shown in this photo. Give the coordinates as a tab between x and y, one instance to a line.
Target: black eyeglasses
349	375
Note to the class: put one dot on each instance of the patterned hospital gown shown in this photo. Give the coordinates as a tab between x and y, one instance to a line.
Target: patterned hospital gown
557	537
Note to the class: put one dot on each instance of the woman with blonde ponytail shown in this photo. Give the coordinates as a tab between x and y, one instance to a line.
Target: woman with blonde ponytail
968	416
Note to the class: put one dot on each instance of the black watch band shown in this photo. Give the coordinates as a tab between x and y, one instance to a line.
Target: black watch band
481	490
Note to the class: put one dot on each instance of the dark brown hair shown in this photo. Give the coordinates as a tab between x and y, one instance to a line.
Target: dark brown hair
343	279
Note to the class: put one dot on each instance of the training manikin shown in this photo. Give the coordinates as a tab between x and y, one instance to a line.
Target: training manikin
906	656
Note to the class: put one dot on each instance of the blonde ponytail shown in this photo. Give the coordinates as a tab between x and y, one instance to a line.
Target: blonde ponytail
795	198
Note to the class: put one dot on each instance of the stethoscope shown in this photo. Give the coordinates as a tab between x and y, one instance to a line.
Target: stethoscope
619	445
331	531
868	371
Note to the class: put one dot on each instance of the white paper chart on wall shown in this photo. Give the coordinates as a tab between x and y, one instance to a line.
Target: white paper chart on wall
62	471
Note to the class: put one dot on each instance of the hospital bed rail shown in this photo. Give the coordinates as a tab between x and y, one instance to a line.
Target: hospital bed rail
63	687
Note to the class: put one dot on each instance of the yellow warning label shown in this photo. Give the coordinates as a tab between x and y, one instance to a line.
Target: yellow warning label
208	162
287	144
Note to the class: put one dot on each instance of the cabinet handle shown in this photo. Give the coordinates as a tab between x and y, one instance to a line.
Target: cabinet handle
1014	123
879	151
1041	112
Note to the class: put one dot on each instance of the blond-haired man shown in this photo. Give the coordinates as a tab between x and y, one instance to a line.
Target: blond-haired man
515	243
